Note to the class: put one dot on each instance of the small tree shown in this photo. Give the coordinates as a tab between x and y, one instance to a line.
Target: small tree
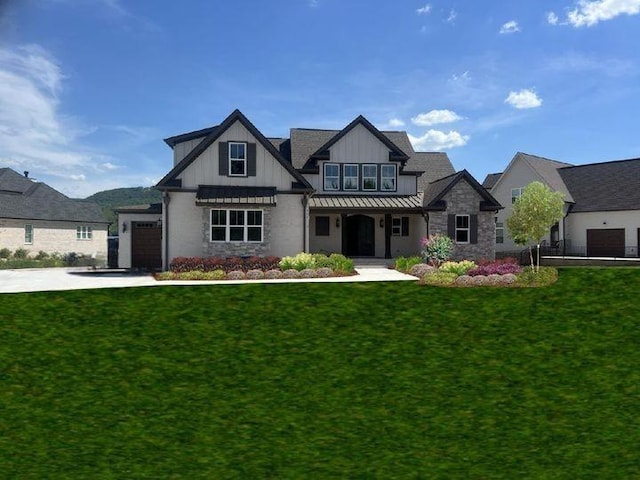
534	213
437	249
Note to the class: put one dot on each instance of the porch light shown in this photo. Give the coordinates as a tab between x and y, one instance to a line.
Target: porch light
337	222
382	223
124	227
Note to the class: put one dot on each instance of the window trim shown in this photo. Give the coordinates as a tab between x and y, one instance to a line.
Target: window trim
500	227
395	178
325	176
30	229
518	195
227	225
345	176
84	232
245	160
375	178
396	222
463	229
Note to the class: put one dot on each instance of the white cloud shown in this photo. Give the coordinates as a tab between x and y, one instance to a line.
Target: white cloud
108	166
552	18
523	99
394	123
435	117
452	16
424	10
510	27
465	76
78	178
436	140
589	13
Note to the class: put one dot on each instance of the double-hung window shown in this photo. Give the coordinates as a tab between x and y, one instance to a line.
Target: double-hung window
499	232
462	228
237	159
84	233
28	234
331	176
236	225
400	226
369	177
350	177
515	194
388	178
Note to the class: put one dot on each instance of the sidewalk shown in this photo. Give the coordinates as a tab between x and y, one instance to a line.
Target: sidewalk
56	279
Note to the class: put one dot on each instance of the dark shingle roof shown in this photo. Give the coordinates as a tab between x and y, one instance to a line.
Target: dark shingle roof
548	171
22	198
436	190
435	165
604	186
490	180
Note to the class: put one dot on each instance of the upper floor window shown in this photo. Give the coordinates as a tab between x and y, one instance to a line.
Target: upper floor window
84	233
516	193
388	178
238	159
350	177
28	234
462	228
331	176
369	177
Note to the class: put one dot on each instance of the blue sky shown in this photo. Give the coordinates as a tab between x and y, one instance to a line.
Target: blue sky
89	88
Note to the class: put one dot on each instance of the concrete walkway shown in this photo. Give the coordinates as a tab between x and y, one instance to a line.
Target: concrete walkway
56	279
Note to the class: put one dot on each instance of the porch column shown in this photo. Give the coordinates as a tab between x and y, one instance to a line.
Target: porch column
387	235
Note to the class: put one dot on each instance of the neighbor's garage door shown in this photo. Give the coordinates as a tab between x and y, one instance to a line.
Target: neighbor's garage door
146	245
605	242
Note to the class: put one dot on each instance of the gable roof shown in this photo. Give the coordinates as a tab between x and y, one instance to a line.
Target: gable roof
604	186
490	180
435	166
21	198
214	134
545	168
185	137
435	191
395	152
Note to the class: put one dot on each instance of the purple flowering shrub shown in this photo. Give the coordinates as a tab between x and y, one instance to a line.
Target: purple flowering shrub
497	267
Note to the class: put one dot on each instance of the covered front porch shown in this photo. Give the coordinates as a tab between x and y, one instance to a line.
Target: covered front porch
366	227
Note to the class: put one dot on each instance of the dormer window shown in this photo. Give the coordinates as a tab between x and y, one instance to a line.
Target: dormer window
238	159
388	178
331	176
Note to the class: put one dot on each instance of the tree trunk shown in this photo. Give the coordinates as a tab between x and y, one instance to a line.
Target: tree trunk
538	264
533	267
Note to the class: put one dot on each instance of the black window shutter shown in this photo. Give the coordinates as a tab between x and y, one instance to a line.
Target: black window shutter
223	159
473	227
405	226
451	226
251	159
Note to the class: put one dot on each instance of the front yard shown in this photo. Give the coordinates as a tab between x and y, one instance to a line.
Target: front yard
375	380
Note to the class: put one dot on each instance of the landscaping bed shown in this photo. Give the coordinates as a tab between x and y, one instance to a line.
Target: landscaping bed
302	265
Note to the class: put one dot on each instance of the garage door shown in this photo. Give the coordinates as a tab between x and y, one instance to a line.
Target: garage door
605	242
146	245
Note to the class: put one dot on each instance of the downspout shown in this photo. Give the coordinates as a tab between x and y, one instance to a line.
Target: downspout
165	228
305	203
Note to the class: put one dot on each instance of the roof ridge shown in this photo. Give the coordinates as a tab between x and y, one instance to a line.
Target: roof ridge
543	158
602	163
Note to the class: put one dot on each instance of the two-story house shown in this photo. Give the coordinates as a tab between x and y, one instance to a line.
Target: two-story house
358	191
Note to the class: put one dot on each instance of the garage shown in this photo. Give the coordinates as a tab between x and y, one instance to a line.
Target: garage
605	242
146	245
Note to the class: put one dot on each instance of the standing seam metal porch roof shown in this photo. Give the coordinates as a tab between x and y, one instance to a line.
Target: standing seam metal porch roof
359	202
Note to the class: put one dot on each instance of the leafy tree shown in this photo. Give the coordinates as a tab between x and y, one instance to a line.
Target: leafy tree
534	213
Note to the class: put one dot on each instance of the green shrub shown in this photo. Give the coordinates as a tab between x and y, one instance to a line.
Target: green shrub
300	262
5	253
322	261
439	278
530	278
404	264
42	255
21	253
459	268
437	248
340	263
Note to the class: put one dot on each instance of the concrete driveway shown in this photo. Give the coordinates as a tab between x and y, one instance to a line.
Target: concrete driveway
55	279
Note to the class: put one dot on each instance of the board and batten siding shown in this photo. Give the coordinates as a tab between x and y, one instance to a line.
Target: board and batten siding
182	149
204	170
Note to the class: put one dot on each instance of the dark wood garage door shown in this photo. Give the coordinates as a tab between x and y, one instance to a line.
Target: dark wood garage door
146	245
605	242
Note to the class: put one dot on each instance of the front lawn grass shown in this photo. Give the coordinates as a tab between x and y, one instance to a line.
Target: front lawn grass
362	380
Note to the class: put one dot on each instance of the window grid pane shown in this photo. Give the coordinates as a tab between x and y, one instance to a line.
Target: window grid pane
369	177
236	225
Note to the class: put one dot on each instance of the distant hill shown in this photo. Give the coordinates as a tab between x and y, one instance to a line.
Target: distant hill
122	197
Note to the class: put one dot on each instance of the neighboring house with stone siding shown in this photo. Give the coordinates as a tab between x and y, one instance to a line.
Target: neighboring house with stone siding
35	217
357	191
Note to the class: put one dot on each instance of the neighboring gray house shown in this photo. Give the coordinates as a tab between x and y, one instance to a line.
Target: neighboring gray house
602	204
358	191
35	217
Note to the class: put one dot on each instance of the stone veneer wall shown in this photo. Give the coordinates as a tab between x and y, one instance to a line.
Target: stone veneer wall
462	199
236	249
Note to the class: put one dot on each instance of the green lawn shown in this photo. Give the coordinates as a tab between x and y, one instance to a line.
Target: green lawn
376	380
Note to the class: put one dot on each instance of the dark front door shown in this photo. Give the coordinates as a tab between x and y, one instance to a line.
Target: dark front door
360	236
146	245
605	242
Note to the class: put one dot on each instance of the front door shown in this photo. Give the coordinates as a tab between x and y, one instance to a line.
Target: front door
359	236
